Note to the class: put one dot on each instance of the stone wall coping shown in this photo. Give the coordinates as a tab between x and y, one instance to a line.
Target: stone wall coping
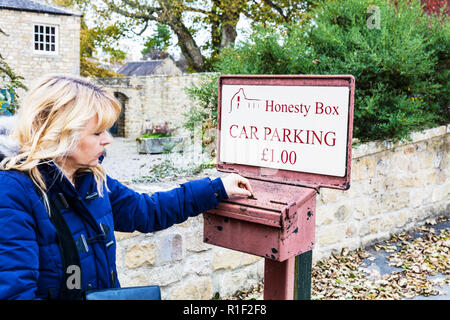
373	147
115	79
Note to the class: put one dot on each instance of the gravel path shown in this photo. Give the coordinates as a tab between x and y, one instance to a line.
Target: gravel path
151	173
124	163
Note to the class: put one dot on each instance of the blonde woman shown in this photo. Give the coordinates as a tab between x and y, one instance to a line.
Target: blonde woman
61	134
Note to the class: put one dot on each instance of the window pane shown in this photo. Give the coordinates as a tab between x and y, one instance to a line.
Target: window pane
45	38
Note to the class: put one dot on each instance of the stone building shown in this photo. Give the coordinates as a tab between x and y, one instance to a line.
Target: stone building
151	100
40	38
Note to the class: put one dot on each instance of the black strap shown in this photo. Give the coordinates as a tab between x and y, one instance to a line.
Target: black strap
70	285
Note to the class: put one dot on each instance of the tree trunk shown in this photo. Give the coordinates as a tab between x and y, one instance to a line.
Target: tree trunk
229	34
189	48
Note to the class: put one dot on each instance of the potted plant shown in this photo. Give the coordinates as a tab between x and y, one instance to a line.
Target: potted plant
157	139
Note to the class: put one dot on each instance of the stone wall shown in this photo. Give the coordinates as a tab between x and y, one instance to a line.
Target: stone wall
394	187
18	47
153	100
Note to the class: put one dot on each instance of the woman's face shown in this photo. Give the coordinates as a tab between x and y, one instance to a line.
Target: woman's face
90	147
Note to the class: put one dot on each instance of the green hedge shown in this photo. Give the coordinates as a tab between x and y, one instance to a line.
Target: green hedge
401	68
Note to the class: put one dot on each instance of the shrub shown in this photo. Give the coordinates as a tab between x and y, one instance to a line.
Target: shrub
201	118
401	68
10	82
393	64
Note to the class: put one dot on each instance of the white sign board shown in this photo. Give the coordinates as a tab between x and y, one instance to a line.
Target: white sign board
297	128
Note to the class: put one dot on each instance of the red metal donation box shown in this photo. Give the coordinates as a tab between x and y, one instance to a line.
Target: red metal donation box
290	136
278	224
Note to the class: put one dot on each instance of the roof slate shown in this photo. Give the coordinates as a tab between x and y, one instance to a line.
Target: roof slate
36	6
139	68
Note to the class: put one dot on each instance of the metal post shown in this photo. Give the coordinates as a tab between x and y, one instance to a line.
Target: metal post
289	279
279	279
302	282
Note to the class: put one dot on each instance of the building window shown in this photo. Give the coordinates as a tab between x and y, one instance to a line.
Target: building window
45	39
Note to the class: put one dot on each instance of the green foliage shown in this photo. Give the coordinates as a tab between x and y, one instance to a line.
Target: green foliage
201	118
205	110
391	64
10	81
401	68
99	37
156	46
153	135
102	36
267	51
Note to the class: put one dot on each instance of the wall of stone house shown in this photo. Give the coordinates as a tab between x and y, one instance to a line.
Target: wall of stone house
394	187
153	100
17	48
166	67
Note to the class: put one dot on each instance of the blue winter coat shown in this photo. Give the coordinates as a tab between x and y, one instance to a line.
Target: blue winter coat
30	260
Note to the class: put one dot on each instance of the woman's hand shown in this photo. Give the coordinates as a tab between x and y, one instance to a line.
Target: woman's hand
236	185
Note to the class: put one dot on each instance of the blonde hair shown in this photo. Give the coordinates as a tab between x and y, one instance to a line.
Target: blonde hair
49	123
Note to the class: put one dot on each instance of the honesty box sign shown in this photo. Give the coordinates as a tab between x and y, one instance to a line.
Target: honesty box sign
298	124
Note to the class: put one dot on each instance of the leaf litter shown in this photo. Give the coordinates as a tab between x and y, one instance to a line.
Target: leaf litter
422	262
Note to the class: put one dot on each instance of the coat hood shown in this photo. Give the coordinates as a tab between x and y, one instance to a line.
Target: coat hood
8	146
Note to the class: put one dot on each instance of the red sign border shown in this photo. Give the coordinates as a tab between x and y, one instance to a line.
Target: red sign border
286	176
